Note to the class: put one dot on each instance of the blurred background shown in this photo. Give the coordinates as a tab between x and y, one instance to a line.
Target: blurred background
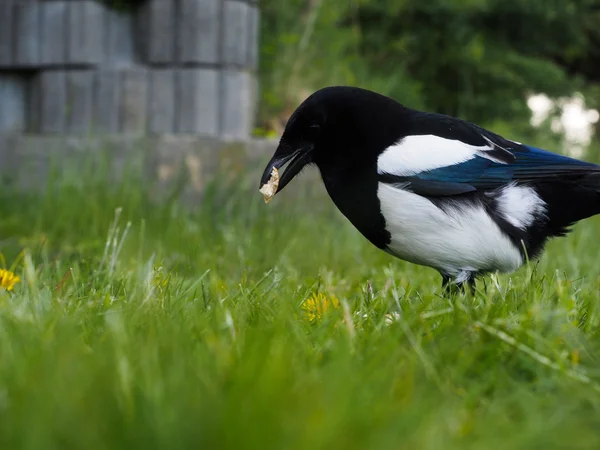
236	69
519	66
148	296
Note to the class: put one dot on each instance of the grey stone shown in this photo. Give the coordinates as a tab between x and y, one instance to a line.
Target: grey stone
26	169
198	31
80	98
107	101
160	17
179	162
238	94
52	93
26	161
198	101
7	163
235	33
162	101
120	50
258	149
86	33
133	104
12	103
53	37
7	19
34	106
253	38
27	34
73	157
140	33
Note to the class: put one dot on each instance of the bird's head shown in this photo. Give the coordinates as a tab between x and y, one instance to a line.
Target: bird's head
329	128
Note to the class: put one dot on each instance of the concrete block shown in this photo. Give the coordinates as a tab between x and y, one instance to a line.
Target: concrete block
134	100
160	22
80	99
8	168
198	101
235	33
34	105
86	33
53	37
170	166
7	19
12	103
21	169
199	26
162	101
140	33
52	97
27	34
253	38
238	95
107	101
120	51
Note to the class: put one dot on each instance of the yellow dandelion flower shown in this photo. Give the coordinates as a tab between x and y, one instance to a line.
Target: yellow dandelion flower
317	305
8	279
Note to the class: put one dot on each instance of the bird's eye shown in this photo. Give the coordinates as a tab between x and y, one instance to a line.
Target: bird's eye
312	131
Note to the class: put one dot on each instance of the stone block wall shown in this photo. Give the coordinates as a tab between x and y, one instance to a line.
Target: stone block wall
167	66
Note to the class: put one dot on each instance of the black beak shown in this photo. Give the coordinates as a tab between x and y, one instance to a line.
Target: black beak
297	160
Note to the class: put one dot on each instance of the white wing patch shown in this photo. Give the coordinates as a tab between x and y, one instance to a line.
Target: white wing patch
520	205
415	154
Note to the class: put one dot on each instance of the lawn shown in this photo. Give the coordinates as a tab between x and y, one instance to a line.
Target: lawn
159	326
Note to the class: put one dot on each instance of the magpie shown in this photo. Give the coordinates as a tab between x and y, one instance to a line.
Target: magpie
431	189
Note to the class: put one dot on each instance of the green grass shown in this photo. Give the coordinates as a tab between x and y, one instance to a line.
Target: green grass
157	327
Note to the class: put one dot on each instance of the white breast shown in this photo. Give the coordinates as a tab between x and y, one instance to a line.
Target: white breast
459	238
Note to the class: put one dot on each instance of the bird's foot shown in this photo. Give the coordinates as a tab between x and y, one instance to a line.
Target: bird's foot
456	286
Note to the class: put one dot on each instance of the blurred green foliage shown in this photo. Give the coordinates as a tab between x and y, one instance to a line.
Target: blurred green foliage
477	59
124	5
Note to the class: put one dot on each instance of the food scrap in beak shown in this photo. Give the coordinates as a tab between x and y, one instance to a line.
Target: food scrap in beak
269	189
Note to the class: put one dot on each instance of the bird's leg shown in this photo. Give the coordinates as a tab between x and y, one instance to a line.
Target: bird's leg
446	283
450	288
471	283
